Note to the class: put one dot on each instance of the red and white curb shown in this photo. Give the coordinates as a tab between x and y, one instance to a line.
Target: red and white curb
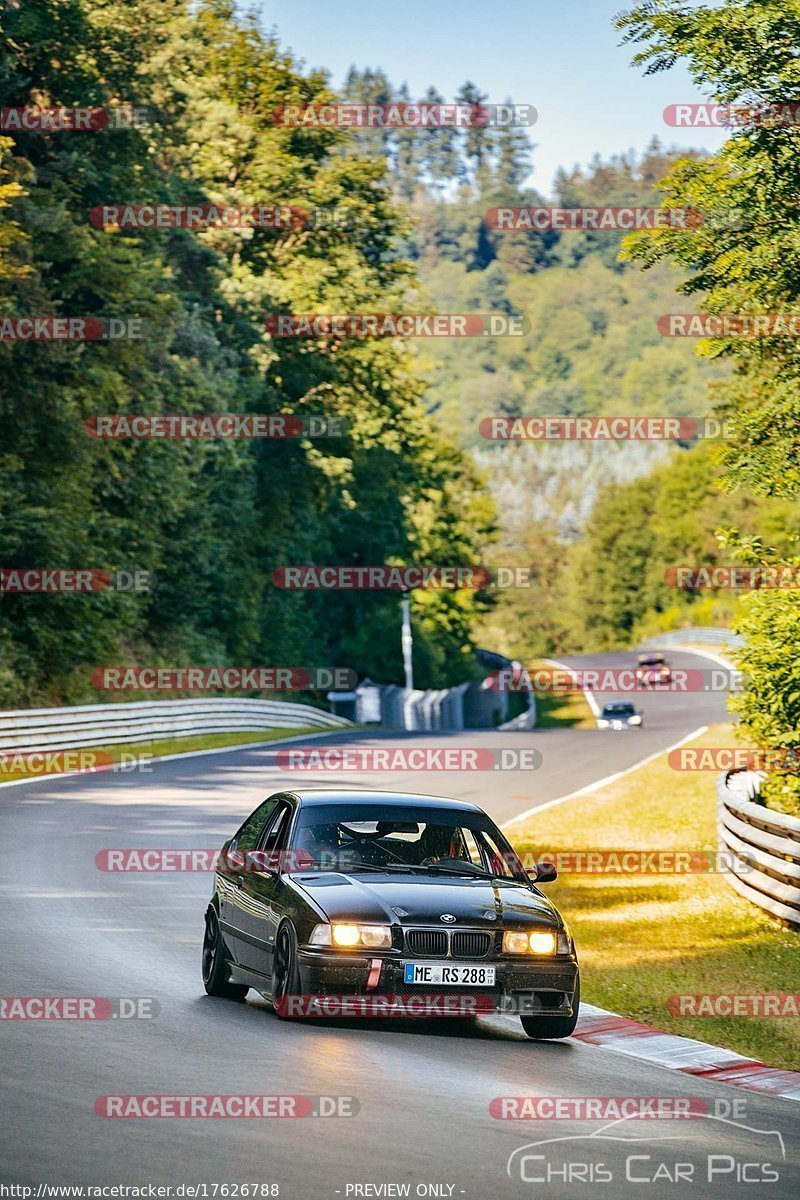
597	1027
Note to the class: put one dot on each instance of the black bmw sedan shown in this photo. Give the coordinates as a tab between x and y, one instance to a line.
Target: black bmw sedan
368	894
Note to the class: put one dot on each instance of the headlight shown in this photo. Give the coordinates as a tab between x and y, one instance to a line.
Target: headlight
537	942
372	937
602	724
637	720
516	943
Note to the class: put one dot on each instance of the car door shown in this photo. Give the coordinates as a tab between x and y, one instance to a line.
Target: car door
231	871
260	890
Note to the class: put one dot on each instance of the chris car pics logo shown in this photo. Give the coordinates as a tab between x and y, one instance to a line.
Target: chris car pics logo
624	1151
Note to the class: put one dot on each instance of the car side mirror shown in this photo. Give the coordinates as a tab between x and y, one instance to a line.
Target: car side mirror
545	872
265	861
233	858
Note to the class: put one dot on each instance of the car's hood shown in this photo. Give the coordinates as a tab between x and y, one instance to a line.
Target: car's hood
412	900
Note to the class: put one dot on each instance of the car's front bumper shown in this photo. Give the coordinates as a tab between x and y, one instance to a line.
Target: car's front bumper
541	986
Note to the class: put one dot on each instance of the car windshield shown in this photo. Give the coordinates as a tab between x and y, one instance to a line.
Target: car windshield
651	660
425	841
618	710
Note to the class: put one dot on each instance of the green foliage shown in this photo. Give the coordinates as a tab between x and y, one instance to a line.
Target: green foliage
212	519
770	708
744	258
594	349
608	589
667	519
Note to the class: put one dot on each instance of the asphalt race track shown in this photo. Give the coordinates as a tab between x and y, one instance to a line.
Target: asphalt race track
423	1088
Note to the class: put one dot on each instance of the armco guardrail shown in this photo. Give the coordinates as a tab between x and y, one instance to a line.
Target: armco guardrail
525	720
472	705
702	636
761	848
108	724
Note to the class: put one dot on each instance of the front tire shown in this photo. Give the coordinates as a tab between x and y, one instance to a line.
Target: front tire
215	965
550	1028
285	971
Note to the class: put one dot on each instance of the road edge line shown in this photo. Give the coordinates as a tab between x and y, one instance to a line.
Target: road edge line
587	695
594	787
115	767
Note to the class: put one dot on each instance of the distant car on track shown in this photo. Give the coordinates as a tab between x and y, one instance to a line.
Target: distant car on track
620	714
652	669
325	893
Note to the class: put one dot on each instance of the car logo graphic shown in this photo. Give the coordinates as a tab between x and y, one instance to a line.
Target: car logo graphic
448	918
602	1135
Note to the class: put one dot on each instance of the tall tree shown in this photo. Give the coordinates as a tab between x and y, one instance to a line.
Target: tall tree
744	258
212	519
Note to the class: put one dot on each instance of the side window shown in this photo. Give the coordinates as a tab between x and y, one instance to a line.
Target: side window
498	860
246	837
472	849
273	836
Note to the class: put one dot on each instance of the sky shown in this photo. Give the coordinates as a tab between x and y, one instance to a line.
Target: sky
564	58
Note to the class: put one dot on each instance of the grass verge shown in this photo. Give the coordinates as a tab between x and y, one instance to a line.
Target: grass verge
565	709
100	757
644	938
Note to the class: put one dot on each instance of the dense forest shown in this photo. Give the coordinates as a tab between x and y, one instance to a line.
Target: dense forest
212	519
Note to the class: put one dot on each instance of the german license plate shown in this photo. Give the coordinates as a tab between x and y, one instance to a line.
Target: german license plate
463	974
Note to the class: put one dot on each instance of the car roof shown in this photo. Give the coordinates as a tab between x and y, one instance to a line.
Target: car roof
313	796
